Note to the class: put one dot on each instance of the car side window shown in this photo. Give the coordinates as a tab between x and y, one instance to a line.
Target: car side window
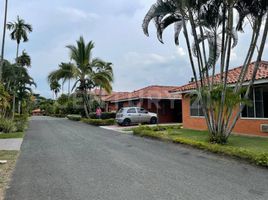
142	110
131	110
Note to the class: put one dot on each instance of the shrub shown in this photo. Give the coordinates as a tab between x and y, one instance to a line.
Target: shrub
104	115
99	122
21	122
58	115
7	126
74	117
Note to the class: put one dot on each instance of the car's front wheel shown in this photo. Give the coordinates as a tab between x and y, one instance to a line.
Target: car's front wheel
126	122
153	120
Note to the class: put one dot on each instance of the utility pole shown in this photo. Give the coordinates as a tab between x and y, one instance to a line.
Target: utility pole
3	41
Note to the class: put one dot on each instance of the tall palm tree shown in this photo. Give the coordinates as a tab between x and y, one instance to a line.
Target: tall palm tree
55	87
3	40
24	59
87	71
214	35
15	78
65	72
19	31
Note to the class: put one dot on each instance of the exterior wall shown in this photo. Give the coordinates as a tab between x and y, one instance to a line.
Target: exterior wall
243	126
168	110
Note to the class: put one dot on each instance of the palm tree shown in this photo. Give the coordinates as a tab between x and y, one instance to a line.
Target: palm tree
3	40
19	31
88	73
24	60
212	21
15	78
55	87
65	72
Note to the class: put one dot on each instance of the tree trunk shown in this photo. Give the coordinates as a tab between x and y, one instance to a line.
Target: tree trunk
13	105
3	41
19	107
69	87
17	53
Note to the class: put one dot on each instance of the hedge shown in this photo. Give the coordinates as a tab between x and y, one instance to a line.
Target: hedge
74	117
99	122
104	115
238	152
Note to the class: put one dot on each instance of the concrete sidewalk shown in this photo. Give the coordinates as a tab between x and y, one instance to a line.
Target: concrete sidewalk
10	144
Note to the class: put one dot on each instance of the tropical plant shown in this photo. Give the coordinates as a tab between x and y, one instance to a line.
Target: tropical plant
17	82
55	87
19	32
87	72
214	32
24	60
3	40
65	72
4	100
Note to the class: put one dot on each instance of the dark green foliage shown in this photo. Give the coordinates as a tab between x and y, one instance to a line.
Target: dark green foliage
21	122
74	117
7	125
104	115
99	122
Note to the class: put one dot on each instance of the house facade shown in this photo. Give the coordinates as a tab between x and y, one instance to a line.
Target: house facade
253	120
155	99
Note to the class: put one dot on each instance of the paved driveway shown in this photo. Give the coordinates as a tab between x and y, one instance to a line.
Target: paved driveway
68	160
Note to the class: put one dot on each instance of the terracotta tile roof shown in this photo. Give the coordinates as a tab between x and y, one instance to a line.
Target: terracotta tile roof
233	76
150	92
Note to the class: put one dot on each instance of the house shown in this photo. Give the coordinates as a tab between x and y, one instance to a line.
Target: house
154	98
37	112
253	120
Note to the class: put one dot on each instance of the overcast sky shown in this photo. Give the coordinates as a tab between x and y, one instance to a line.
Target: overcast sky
115	28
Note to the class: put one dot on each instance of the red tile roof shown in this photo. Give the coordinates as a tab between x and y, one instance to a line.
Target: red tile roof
150	92
233	76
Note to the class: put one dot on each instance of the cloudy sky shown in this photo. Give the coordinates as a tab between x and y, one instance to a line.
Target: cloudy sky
115	27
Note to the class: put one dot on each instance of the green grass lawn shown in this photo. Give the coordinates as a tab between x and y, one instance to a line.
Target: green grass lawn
11	135
6	169
258	144
254	149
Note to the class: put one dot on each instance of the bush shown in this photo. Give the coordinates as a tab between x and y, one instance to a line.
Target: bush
58	115
99	122
7	126
21	122
104	115
74	117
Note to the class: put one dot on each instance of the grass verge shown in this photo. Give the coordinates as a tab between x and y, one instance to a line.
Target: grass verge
11	135
6	169
252	149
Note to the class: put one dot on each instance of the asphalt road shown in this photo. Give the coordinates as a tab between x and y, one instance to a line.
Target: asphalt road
67	160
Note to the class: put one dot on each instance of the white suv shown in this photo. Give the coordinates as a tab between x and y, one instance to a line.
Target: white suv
135	115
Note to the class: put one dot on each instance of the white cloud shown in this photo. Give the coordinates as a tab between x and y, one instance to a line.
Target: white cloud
77	14
147	58
181	51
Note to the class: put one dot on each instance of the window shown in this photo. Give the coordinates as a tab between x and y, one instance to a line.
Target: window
195	108
132	110
142	110
259	108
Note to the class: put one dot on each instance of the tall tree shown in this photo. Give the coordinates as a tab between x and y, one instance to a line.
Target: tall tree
19	32
24	60
3	40
88	72
214	34
65	72
55	87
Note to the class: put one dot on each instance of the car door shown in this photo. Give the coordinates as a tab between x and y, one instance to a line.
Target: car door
133	115
143	115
